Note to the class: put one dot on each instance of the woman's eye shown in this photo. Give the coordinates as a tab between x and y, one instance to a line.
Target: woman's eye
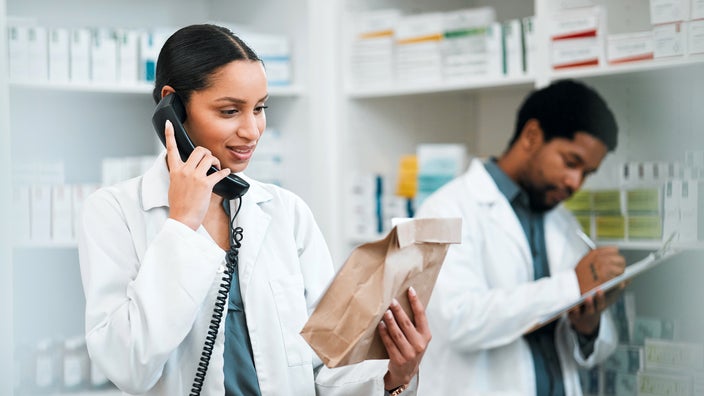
229	111
259	109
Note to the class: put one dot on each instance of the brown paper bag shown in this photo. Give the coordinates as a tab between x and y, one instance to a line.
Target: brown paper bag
343	328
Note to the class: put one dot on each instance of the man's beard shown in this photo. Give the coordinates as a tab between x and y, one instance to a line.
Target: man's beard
537	199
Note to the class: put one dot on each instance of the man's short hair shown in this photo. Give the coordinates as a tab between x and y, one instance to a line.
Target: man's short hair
566	107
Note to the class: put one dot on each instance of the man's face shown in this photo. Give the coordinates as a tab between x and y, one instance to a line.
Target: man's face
558	168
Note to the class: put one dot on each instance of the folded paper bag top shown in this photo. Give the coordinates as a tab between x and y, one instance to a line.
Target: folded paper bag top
343	328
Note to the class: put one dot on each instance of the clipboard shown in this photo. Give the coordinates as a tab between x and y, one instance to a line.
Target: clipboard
651	260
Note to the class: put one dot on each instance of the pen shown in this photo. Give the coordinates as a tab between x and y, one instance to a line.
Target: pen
585	238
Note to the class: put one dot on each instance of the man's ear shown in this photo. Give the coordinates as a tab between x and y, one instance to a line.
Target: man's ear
531	137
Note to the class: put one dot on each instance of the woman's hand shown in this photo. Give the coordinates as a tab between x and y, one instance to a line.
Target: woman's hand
405	342
190	186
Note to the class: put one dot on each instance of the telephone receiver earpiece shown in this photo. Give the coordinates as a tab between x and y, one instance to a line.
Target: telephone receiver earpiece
171	108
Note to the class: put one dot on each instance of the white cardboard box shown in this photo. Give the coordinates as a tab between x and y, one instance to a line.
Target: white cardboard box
40	213
697	10
21	213
18	52
695	38
61	213
59	55
689	215
513	47
670	39
629	47
80	55
128	56
103	55
671	208
667	11
38	53
576	52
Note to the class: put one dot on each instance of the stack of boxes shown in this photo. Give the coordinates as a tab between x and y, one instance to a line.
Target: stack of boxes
656	199
472	44
390	48
577	37
111	55
418	41
650	359
372	47
437	165
373	201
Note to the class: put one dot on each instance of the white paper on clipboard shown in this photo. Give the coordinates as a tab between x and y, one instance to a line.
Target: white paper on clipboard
631	271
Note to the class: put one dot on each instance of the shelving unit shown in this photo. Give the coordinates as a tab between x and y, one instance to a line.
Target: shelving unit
658	104
79	124
140	88
332	130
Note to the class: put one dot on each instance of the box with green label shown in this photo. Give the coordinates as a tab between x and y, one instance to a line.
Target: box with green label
607	201
580	202
644	200
610	227
644	227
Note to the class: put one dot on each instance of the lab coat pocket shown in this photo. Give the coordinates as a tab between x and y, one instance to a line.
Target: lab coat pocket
289	296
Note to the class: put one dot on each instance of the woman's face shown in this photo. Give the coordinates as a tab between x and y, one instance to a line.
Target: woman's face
228	117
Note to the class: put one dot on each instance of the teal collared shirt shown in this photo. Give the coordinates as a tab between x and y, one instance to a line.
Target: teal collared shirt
240	373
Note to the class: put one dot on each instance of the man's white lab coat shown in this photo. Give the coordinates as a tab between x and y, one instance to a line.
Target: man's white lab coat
151	282
485	297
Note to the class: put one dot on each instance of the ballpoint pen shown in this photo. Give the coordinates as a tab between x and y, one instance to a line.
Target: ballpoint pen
586	239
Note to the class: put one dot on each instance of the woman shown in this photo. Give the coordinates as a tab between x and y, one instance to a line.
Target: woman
152	252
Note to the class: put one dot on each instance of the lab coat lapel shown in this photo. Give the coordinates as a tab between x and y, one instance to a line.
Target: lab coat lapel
501	214
255	223
505	220
556	240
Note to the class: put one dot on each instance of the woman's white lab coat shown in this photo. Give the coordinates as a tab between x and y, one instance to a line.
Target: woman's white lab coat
485	297
151	282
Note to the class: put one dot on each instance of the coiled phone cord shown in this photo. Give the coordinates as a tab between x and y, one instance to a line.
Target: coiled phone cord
231	259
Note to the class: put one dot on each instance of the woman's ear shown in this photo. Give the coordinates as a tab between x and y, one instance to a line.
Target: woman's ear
531	136
166	90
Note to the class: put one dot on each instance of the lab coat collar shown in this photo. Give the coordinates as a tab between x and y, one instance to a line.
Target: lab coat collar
155	186
487	193
557	228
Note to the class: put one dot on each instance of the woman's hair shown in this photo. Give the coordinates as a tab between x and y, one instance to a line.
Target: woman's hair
192	54
566	107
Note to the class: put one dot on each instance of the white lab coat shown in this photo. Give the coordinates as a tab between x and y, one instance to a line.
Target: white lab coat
151	282
485	297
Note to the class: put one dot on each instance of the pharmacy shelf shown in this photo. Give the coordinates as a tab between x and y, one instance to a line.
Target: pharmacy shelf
110	392
136	88
648	244
470	84
626	68
46	245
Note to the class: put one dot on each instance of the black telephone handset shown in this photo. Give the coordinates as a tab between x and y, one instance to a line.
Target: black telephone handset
171	108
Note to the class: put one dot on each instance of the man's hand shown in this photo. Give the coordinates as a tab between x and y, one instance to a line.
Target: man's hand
405	342
598	266
585	317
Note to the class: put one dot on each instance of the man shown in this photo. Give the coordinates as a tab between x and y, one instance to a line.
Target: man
521	258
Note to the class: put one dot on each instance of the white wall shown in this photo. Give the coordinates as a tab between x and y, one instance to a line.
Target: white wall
6	344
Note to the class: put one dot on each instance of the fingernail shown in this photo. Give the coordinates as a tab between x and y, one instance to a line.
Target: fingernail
412	291
167	123
394	302
382	324
389	314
